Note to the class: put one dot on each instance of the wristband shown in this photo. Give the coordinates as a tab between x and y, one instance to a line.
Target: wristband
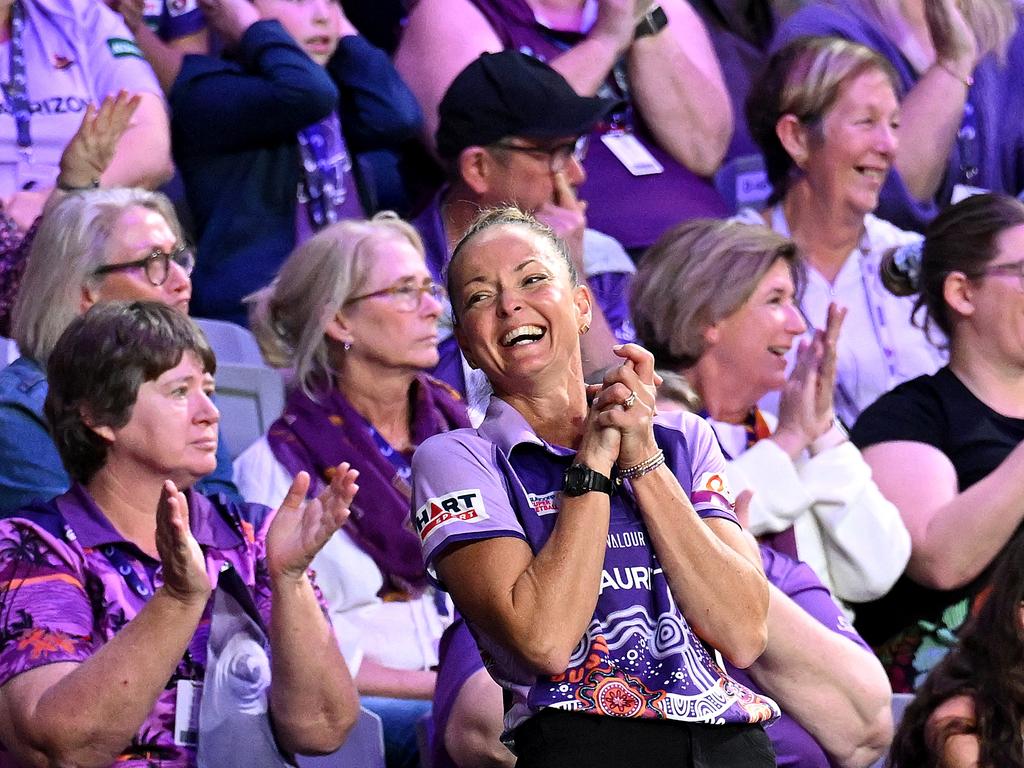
652	23
63	186
647	465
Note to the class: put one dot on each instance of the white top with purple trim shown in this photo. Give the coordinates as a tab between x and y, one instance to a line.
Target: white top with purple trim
639	656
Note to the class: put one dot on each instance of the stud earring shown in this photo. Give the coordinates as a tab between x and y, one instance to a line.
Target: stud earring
584	328
347	346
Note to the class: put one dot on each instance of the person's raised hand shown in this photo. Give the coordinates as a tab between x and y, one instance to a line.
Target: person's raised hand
181	559
566	214
617	20
827	367
230	18
300	528
599	447
953	38
806	409
91	149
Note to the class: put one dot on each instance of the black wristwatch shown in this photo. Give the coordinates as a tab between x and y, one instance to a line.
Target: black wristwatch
652	23
580	479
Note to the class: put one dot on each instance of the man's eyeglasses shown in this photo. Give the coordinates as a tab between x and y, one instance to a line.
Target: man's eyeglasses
407	297
557	157
1012	268
157	265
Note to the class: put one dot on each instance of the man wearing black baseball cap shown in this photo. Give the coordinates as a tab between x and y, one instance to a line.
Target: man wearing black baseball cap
513	131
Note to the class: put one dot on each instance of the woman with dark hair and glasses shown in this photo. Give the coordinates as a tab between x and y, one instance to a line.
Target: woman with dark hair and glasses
946	448
141	622
93	246
354	313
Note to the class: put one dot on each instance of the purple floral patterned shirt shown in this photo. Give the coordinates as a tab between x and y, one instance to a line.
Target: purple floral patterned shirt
69	581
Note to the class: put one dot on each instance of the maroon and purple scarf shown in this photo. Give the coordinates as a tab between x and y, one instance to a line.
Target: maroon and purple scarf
316	435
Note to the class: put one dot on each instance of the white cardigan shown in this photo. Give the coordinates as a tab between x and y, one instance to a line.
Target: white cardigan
846	530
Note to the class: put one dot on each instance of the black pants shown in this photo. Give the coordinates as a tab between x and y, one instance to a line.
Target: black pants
557	738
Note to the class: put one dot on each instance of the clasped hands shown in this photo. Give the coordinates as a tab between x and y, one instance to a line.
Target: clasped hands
620	422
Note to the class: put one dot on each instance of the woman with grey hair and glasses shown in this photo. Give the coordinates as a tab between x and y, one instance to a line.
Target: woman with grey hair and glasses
353	311
94	246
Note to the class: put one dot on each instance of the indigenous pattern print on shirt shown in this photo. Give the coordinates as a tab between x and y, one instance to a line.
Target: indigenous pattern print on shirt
69	582
639	657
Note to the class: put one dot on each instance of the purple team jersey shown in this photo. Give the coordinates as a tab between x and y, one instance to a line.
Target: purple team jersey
639	656
69	582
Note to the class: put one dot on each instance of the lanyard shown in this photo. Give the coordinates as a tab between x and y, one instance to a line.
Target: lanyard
398	461
967	141
16	89
871	287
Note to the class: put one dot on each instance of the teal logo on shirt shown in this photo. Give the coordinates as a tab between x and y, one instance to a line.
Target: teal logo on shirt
121	47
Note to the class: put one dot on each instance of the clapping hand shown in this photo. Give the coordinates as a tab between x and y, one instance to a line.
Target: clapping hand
617	19
301	528
184	567
806	408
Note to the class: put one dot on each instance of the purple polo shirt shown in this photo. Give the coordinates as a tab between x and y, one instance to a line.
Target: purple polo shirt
794	746
635	210
62	596
639	656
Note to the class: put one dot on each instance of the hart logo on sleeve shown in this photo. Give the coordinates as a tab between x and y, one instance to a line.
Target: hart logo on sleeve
458	507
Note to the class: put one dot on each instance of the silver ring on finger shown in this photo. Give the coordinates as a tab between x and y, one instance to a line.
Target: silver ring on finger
630	401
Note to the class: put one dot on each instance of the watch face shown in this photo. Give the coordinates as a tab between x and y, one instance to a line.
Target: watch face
575	481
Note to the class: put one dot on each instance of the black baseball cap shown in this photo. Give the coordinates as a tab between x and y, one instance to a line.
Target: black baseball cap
512	94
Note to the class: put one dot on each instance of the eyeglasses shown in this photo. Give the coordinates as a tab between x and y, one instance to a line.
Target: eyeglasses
407	297
558	157
1012	268
157	264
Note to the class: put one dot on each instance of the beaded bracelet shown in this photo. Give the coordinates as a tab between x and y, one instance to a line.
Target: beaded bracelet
647	465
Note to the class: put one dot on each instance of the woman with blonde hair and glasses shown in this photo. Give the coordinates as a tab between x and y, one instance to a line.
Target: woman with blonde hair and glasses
354	312
958	65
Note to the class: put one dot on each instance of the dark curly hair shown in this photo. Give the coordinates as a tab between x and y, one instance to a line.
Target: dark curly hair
987	665
97	366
